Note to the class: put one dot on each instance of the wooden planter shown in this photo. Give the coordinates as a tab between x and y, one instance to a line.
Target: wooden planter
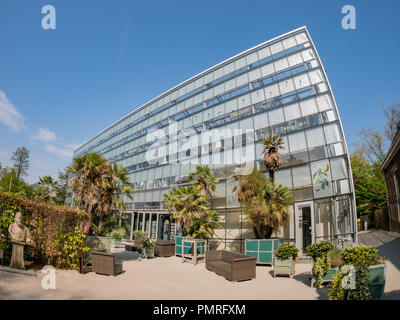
284	267
262	249
188	247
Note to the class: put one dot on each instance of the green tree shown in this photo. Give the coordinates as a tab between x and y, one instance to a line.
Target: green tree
204	177
100	187
272	158
20	158
46	189
62	187
265	202
186	204
9	182
369	184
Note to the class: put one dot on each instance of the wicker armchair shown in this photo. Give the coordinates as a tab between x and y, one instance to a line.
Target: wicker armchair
231	265
165	248
104	263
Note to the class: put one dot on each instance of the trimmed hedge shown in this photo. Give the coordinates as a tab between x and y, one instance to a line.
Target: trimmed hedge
47	224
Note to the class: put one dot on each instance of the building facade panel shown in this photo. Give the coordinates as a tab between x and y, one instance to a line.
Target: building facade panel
217	118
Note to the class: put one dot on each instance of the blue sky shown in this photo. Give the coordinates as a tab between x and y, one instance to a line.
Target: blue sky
60	87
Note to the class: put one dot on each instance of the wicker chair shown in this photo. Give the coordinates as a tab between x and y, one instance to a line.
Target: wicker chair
165	248
231	265
104	263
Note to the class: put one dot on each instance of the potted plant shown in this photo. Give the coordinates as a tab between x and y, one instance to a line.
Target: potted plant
148	248
285	259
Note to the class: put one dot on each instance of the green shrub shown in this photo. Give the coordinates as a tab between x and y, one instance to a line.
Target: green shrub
361	255
336	291
334	257
69	244
363	288
118	233
147	243
320	269
139	234
286	251
319	250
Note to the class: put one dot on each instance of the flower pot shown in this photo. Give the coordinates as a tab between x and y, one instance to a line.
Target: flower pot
149	253
284	266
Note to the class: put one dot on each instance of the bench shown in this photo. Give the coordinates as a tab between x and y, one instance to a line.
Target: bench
231	265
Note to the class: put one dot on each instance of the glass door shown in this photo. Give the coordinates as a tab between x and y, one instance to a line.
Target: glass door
304	212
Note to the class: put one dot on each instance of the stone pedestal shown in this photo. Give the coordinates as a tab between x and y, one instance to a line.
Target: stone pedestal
17	256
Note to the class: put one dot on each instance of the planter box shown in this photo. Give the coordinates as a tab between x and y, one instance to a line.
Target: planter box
377	279
284	267
188	246
262	249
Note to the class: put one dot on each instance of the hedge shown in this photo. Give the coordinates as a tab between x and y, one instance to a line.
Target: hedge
47	224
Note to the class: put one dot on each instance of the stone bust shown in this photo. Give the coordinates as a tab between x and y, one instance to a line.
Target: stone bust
18	231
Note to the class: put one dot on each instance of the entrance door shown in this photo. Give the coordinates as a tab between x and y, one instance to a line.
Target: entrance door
304	212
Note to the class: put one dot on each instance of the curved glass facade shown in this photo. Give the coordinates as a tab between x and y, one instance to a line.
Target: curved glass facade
217	117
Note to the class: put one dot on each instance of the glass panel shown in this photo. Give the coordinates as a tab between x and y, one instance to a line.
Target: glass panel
321	175
308	107
339	169
297	142
301	176
284	177
302	194
323	219
332	133
317	153
336	149
276	116
292	112
315	137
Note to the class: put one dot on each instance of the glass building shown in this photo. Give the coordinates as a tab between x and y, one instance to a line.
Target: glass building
277	87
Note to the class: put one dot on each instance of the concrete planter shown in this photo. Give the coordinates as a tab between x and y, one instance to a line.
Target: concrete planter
377	279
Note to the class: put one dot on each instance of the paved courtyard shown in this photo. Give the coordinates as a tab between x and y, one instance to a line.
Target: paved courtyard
168	278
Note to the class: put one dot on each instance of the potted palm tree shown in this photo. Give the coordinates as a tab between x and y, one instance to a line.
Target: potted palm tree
285	259
265	202
188	206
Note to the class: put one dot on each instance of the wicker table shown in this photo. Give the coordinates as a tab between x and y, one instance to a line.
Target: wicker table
194	256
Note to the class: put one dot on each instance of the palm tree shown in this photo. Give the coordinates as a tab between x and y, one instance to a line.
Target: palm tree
100	187
273	212
204	177
186	204
46	190
272	158
265	202
115	186
204	227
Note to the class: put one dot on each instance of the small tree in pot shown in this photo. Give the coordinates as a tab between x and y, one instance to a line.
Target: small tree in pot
148	248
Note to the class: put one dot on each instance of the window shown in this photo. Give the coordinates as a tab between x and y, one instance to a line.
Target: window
315	137
332	133
301	176
297	142
292	112
284	177
308	107
276	116
339	168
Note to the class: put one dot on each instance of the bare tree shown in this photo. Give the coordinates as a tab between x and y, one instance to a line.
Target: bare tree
392	114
